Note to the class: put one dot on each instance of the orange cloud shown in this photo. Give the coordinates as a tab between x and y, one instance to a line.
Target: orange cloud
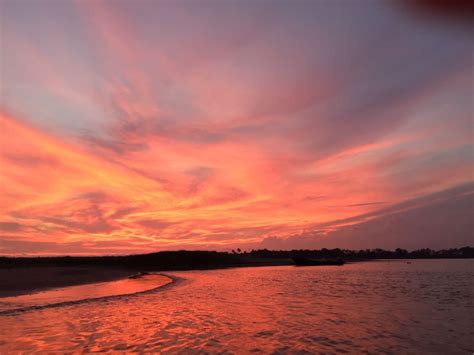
165	126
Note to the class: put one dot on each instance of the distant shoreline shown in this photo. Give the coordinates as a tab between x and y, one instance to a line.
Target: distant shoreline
27	279
200	259
22	275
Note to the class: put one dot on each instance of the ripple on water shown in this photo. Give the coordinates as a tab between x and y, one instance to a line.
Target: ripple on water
269	310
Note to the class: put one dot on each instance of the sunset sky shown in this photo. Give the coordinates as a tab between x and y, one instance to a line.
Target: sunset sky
137	126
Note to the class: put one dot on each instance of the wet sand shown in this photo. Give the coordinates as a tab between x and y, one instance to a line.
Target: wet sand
24	280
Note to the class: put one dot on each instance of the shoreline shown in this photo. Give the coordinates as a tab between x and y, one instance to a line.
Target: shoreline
17	281
29	279
170	280
24	280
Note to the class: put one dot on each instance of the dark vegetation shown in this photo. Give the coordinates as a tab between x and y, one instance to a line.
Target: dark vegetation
368	254
186	260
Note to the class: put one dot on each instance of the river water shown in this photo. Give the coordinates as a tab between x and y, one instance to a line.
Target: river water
425	306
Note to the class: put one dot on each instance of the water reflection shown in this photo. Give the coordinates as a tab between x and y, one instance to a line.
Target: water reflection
85	292
425	307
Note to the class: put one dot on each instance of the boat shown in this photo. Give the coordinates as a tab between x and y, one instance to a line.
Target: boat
316	262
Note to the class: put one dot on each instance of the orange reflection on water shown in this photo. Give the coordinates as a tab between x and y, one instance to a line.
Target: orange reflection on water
382	307
83	292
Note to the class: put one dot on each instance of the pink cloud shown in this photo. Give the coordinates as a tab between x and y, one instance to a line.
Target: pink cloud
169	124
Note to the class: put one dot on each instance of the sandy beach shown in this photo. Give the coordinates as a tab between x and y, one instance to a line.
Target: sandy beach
24	280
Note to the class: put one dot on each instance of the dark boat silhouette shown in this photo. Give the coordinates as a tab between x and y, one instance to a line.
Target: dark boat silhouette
316	262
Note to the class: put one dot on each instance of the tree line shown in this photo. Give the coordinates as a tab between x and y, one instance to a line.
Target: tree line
186	260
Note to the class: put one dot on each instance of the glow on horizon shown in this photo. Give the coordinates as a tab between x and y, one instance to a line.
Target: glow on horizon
127	129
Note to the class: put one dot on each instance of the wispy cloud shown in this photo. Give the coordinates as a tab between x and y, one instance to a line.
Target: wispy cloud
170	124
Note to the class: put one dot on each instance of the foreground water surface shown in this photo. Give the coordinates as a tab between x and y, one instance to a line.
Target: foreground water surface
386	306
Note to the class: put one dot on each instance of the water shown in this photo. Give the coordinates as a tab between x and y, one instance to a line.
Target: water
59	296
423	307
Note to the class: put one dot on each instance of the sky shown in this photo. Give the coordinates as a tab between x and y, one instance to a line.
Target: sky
138	126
